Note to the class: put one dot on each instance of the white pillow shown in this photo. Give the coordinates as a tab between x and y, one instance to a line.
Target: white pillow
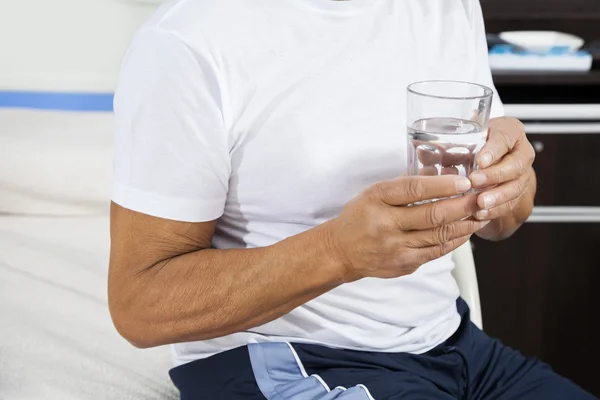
55	163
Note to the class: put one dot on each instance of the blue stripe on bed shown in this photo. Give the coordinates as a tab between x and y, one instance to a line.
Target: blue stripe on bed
57	101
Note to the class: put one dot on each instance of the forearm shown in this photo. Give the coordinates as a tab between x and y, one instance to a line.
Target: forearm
211	293
506	226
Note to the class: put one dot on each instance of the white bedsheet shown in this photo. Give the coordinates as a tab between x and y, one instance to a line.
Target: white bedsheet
56	337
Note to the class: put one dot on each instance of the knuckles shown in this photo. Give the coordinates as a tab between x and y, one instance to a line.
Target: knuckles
510	125
444	233
507	131
414	189
434	216
376	192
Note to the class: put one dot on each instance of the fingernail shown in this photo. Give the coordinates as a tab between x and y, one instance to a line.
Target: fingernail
489	200
478	179
486	160
462	185
482	214
485	223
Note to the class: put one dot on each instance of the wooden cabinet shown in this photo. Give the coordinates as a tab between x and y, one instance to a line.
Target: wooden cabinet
540	294
568	166
540	289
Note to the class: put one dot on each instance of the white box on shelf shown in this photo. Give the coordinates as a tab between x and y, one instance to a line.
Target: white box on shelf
506	58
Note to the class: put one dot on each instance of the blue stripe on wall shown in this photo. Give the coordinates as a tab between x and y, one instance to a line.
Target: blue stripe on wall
55	101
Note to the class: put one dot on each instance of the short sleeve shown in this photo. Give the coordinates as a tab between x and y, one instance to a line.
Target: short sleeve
482	57
171	157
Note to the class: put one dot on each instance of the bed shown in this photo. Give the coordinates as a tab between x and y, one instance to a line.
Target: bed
56	337
57	340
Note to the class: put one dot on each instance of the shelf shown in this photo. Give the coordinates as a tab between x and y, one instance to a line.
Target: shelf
547	78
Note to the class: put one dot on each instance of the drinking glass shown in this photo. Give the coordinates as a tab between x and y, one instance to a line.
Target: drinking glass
447	125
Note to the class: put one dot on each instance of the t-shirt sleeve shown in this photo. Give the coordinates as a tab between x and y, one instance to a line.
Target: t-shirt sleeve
483	62
171	157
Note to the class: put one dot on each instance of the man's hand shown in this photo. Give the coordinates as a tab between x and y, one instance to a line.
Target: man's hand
506	178
379	235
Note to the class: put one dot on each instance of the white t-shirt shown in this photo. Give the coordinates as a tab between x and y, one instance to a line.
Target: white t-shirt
270	115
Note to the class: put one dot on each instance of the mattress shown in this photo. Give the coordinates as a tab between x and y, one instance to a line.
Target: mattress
57	340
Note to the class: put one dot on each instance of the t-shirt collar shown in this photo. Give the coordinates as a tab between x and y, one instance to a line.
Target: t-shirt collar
337	6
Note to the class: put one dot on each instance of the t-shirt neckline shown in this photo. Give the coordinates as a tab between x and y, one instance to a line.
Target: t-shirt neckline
337	6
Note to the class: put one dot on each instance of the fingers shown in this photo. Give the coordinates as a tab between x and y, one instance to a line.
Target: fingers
511	167
457	155
497	212
504	134
444	155
446	233
449	171
436	214
411	189
428	171
429	154
427	254
503	193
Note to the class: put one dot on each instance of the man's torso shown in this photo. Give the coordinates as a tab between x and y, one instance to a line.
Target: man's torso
313	98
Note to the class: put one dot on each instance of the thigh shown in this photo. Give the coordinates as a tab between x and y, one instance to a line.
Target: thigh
390	385
499	372
383	376
226	376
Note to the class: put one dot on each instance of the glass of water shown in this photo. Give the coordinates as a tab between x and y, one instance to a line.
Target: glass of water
447	126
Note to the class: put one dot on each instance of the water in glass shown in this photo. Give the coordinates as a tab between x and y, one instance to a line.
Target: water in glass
442	146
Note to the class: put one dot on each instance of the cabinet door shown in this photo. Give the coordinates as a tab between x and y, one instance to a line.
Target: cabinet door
539	295
567	165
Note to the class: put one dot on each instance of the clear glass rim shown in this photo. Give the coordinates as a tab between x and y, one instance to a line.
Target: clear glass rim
487	92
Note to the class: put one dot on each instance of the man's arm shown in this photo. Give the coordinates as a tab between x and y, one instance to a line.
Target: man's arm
166	285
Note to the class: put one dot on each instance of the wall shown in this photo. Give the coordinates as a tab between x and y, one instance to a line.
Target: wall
56	160
66	45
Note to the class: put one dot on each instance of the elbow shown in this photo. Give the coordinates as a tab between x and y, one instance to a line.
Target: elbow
143	326
135	330
135	336
148	319
133	321
146	333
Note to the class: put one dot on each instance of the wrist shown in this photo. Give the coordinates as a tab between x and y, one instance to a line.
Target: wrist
314	252
336	257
